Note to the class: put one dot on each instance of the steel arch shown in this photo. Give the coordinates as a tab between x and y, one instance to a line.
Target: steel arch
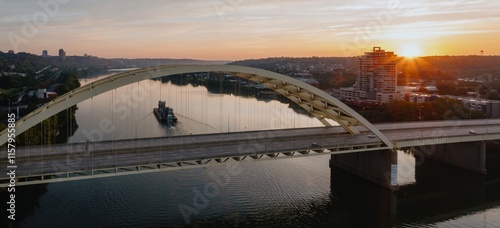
315	101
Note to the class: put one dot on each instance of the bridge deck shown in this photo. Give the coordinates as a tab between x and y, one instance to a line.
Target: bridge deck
43	164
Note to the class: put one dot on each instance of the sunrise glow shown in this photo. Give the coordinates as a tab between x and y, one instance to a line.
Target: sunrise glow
232	30
410	51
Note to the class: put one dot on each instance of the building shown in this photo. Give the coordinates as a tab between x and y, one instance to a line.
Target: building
40	94
351	94
489	107
45	53
377	74
420	97
62	54
377	77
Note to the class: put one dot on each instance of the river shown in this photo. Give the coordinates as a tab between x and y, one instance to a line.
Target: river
300	192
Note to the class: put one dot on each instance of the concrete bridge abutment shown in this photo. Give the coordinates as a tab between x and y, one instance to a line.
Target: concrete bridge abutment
379	167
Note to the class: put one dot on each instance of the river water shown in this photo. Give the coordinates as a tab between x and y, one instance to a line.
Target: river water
300	192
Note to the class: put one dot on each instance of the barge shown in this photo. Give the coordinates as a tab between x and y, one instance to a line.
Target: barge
165	114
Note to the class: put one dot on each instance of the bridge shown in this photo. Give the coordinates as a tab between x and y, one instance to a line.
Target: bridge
51	163
62	162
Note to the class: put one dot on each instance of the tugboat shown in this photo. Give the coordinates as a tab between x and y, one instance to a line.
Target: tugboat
165	114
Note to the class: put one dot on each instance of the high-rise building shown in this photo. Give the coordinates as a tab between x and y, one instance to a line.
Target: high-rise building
377	72
377	76
45	53
62	54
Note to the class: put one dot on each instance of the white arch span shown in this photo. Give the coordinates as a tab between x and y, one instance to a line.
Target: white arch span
318	103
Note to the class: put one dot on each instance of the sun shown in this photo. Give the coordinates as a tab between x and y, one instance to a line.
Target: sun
410	51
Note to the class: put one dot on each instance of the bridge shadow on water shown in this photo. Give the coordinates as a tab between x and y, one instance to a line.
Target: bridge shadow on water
27	202
441	193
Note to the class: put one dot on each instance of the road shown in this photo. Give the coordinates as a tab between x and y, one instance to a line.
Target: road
201	149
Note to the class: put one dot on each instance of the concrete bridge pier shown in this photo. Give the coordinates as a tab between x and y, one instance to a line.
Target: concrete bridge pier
379	167
470	156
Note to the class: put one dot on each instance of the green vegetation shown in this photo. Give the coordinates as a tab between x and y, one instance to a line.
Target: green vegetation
42	134
55	129
68	81
6	91
89	65
11	81
463	66
334	79
402	111
330	72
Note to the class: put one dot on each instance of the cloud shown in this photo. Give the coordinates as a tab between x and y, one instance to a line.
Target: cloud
248	23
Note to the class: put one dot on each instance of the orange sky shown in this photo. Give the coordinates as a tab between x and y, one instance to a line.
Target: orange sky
242	29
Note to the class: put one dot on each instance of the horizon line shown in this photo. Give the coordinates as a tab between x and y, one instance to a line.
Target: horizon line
269	57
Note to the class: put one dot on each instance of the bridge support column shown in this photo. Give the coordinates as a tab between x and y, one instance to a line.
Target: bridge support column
379	167
469	156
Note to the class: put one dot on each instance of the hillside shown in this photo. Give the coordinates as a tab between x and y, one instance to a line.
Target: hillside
29	63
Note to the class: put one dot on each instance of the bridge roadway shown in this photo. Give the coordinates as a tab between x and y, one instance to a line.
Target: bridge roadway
50	163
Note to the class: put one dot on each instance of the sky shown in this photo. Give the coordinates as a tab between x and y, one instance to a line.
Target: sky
244	29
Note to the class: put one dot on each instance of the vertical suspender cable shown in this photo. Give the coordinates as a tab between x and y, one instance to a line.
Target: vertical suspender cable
113	97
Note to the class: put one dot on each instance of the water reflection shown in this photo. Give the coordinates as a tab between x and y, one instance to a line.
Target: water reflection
200	111
442	194
27	201
290	192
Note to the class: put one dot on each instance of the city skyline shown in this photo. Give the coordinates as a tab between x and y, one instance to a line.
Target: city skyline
238	29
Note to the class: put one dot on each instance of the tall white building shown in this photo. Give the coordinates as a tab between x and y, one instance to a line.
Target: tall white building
377	76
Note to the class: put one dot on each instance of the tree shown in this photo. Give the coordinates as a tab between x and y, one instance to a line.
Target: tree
11	81
446	88
69	80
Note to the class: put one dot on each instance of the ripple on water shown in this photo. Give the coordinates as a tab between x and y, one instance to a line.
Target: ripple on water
284	192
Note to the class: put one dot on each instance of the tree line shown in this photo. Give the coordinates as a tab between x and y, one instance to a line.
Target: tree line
405	111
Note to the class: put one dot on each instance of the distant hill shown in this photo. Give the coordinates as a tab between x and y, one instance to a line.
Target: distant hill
466	66
427	68
29	63
303	63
